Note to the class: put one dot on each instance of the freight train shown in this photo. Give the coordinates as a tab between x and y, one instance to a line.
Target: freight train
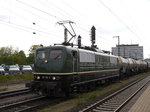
64	69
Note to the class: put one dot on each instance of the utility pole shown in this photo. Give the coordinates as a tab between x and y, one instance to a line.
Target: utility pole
118	44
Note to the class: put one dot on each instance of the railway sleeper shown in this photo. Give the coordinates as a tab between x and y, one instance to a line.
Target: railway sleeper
94	110
108	106
119	98
103	109
113	102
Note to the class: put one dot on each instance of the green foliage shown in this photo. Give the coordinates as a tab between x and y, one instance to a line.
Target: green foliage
30	58
33	48
6	51
11	56
18	58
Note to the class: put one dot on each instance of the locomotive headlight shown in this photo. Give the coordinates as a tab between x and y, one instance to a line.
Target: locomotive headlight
54	78
45	61
38	77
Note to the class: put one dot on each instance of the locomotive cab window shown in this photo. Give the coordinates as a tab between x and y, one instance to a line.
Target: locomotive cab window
56	54
41	55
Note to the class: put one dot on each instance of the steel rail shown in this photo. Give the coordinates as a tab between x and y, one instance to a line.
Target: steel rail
6	107
126	101
41	105
14	92
95	105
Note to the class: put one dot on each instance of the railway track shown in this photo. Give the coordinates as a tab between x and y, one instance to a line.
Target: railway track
21	106
29	105
116	101
24	100
11	98
13	93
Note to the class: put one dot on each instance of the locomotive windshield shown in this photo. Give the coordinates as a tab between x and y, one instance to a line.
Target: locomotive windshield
41	55
56	54
50	60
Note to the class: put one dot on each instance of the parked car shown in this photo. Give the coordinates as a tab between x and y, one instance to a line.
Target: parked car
26	69
14	69
6	68
2	71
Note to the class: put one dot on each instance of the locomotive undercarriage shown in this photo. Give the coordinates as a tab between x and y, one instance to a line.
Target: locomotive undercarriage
73	83
52	89
90	85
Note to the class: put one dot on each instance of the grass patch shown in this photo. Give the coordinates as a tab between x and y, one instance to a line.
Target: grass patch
103	90
18	77
87	97
3	89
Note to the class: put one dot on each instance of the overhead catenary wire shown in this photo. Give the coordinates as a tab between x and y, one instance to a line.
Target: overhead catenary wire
31	21
81	14
131	19
29	11
62	19
39	9
79	26
56	8
18	26
27	29
70	16
14	26
46	5
119	19
48	13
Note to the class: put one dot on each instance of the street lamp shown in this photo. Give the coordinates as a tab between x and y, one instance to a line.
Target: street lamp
118	44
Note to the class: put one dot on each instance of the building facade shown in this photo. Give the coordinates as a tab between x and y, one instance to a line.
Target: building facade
128	51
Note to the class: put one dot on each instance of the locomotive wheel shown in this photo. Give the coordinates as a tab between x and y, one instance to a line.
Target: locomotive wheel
91	86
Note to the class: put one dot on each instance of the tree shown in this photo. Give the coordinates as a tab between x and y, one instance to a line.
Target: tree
30	58
33	48
19	58
10	56
6	55
6	51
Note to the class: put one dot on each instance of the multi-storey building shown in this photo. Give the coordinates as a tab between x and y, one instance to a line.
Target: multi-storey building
128	51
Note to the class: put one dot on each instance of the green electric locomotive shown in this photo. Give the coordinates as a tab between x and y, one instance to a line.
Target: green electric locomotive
65	69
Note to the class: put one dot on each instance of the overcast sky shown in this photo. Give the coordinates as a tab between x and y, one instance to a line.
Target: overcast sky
129	19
